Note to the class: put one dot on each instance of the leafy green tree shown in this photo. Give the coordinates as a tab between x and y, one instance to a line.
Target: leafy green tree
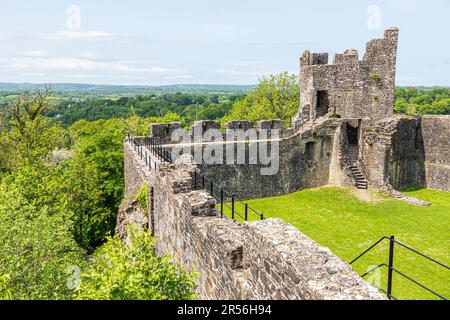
25	135
93	181
275	97
422	101
59	195
120	271
37	247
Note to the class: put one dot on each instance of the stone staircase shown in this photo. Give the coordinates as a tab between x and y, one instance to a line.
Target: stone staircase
352	159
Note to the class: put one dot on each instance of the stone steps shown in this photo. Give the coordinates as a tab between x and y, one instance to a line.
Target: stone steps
351	154
361	181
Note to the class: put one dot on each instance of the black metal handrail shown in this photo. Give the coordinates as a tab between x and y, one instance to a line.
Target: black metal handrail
222	196
391	269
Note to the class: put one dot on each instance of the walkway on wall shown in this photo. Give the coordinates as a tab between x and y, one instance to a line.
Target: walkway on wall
230	205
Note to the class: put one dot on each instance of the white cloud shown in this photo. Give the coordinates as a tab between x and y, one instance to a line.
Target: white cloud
217	30
36	53
244	73
181	77
33	63
408	3
88	55
77	35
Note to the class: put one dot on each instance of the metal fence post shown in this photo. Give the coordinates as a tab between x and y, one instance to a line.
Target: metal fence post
195	180
390	266
221	202
232	206
212	188
246	212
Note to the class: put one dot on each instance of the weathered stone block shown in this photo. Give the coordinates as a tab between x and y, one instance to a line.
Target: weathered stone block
163	131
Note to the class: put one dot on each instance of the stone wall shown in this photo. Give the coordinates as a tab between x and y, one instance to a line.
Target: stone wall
258	260
354	88
408	151
436	137
304	162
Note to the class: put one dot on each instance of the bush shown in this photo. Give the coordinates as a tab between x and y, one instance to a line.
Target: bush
120	271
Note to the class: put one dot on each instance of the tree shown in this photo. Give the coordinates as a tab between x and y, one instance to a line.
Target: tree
27	136
422	100
120	271
275	97
37	247
59	195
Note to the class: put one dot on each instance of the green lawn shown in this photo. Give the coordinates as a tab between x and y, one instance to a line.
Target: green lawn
339	220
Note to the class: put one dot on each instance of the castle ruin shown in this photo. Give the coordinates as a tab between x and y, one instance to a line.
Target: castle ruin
344	134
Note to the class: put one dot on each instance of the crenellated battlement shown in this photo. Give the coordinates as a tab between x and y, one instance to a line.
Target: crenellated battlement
350	87
210	131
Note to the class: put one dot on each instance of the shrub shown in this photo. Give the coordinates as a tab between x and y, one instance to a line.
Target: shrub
142	198
120	271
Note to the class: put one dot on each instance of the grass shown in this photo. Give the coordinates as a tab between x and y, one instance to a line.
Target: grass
337	219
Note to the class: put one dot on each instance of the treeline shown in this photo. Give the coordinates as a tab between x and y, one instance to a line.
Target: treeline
263	102
189	107
422	100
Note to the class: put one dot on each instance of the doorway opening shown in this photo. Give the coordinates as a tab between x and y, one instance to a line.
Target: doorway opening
322	103
352	135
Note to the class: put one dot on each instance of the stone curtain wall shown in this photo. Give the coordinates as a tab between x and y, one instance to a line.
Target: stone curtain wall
408	151
355	88
304	159
406	167
299	168
392	152
258	260
436	143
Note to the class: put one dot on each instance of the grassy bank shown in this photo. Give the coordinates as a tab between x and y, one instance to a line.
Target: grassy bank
348	223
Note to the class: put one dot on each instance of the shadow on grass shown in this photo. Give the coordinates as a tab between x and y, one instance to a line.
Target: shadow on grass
412	189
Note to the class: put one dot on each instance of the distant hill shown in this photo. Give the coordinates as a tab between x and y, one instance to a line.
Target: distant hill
123	90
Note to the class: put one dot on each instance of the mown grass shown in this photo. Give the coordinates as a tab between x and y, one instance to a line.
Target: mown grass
337	219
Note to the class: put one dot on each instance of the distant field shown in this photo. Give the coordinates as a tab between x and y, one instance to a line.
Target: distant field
339	220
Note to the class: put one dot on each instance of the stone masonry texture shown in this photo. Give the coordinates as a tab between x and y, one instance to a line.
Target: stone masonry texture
345	124
267	259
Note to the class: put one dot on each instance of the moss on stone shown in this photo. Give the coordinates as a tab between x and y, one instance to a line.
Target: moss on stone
376	77
142	197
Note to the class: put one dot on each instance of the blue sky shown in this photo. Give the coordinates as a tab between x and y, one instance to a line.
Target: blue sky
200	41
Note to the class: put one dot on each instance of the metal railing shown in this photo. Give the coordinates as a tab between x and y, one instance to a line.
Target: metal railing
237	207
391	269
143	155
